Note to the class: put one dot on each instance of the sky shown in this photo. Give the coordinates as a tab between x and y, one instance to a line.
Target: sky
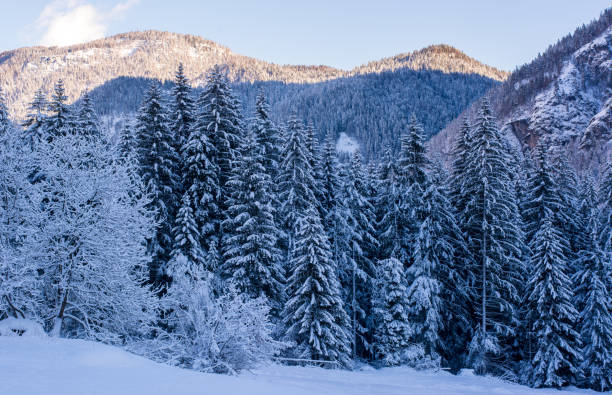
339	33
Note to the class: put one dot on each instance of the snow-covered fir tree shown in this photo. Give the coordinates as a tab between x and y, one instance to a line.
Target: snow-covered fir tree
34	123
218	114
556	358
267	136
158	168
594	300
355	266
390	215
251	258
492	225
187	235
86	121
436	293
56	123
605	202
182	114
392	331
412	168
330	186
295	182
314	314
200	181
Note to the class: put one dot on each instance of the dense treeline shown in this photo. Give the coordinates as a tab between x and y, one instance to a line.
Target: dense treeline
212	241
345	105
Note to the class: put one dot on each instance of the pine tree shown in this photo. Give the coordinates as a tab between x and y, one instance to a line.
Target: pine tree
492	225
390	214
57	123
200	180
187	235
295	182
5	122
183	113
127	140
330	186
267	136
251	257
158	169
218	115
593	298
391	337
605	202
314	158
412	168
358	243
436	292
314	316
86	119
461	161
543	196
35	119
550	294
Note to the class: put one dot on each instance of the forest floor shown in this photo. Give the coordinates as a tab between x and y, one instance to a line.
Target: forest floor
45	366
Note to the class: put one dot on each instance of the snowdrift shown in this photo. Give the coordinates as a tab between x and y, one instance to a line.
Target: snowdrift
48	366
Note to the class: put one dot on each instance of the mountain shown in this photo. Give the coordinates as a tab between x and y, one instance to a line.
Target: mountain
564	94
155	54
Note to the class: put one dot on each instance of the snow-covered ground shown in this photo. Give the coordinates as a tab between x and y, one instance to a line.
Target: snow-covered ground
75	367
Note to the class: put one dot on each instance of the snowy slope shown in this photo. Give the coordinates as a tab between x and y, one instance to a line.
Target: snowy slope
75	367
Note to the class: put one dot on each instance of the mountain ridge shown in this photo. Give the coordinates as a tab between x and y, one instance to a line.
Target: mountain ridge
156	54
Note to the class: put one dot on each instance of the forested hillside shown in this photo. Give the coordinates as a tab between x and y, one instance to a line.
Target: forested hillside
565	94
373	108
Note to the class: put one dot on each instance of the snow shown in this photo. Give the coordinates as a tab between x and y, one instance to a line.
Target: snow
346	144
75	367
21	327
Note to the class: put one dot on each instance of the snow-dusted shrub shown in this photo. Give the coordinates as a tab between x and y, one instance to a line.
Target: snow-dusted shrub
415	357
21	327
222	334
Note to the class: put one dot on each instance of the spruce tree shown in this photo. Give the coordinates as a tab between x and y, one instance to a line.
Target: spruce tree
553	316
218	115
392	334
35	119
314	315
187	235
251	257
492	225
200	180
605	202
594	300
389	212
87	123
57	123
158	169
437	291
356	267
295	182
412	168
183	112
267	136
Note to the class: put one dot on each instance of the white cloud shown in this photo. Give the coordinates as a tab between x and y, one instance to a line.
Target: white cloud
67	22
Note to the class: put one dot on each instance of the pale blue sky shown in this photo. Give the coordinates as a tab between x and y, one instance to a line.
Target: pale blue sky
338	33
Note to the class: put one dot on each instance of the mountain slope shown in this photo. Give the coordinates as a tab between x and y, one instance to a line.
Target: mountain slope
155	54
565	93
